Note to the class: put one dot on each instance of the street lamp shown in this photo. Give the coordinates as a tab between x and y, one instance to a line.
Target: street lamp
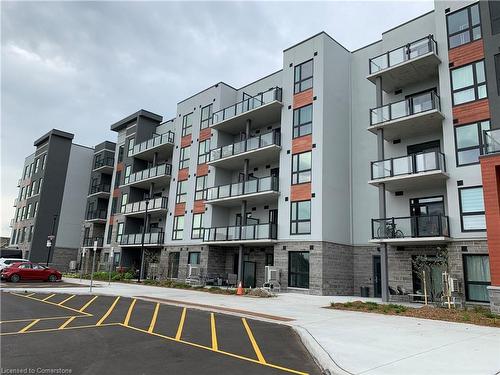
141	271
51	238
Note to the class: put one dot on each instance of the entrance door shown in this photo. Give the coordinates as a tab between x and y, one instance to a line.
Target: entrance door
427	213
248	274
173	265
377	276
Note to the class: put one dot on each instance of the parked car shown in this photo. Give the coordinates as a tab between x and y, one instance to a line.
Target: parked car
30	271
5	262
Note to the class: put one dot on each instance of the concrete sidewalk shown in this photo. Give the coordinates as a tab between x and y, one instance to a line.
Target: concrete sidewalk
350	342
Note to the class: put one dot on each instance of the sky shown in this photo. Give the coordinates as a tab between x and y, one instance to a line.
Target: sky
81	66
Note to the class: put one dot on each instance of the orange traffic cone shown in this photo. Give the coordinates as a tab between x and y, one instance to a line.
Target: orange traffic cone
239	291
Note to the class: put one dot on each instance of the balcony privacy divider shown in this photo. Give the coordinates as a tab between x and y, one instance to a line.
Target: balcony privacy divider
158	170
157	140
411	227
256	185
254	143
156	203
266	231
409	164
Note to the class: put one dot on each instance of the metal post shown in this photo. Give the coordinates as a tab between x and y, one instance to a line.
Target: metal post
52	238
141	271
81	263
93	264
111	261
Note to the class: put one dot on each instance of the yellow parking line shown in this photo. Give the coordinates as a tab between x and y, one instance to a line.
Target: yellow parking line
50	303
30	319
67	322
129	312
29	326
66	300
108	312
181	325
153	319
214	332
254	343
88	304
46	298
57	329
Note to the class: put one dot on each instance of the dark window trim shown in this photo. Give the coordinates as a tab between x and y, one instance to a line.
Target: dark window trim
193	228
289	269
205	155
182	157
300	125
480	137
208	120
466	283
474	85
175	230
202	191
469	16
299	171
186	128
302	79
178	194
462	214
297	221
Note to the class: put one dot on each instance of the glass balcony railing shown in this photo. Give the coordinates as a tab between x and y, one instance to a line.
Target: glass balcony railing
157	171
156	141
254	143
156	203
89	241
100	188
404	108
150	238
492	141
104	162
410	164
247	105
241	233
252	186
96	215
411	227
402	54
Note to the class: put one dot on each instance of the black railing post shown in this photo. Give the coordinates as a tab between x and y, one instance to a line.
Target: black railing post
392	167
440	225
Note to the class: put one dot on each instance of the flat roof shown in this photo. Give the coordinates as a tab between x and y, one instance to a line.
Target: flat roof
127	120
54	132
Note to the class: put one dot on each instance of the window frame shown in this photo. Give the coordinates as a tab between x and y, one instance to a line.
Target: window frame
198	255
183	161
480	146
295	222
475	213
302	79
203	191
475	85
466	282
187	128
175	228
296	173
470	27
204	157
181	197
299	125
199	229
290	253
119	232
130	146
209	120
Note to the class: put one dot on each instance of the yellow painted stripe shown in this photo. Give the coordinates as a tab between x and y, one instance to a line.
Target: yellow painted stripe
254	343
214	332
129	312
29	325
29	320
153	319
67	322
57	329
46	298
66	300
108	312
181	325
88	304
51	303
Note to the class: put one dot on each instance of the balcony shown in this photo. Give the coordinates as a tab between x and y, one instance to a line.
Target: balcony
411	230
246	234
98	216
159	175
104	165
418	115
100	191
135	239
262	109
163	143
416	171
259	150
492	141
89	241
156	207
254	191
411	63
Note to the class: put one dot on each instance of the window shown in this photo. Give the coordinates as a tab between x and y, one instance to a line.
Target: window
204	151
464	26
477	277
269	259
13	237
187	124
128	170
303	77
194	257
181	195
201	188
35	209
472	209
184	157
110	233
17	215
130	149
301	168
30	190
469	142
25	174
31	170
197	231
42	164
30	234
298	269
118	177
28	211
23	210
300	217
39	186
35	187
119	232
468	83
120	154
37	165
178	232
123	203
302	121
23	234
206	116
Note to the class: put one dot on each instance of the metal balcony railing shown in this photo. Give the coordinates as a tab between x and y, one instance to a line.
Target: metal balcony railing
254	143
150	238
104	162
100	188
402	54
267	231
96	215
492	141
157	140
156	203
256	185
411	227
409	164
157	171
404	108
89	241
248	104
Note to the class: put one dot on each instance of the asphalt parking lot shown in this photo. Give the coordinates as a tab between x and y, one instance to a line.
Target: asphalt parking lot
94	334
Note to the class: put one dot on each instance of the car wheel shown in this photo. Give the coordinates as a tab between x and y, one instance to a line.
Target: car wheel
15	278
52	278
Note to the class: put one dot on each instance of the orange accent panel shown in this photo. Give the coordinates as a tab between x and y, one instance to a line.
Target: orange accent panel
300	192
466	54
302	144
186	140
117	192
303	98
183	174
490	171
119	167
205	134
180	209
111	220
471	112
199	207
202	170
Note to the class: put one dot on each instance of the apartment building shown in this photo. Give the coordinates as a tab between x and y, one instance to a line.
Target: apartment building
51	200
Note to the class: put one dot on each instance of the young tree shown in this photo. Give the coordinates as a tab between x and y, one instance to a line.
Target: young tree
422	267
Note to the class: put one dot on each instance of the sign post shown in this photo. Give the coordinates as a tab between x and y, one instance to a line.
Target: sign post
49	247
93	264
111	260
82	259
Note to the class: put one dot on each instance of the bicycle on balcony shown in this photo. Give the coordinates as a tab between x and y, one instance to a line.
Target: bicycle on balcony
389	230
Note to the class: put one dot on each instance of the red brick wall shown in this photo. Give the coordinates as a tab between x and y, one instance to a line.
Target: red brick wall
303	98
199	207
300	192
183	174
119	166
202	170
205	134
186	140
116	192
180	209
471	112
466	54
490	171
302	144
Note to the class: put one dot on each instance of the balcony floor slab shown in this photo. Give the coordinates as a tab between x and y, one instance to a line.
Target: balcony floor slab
413	181
412	240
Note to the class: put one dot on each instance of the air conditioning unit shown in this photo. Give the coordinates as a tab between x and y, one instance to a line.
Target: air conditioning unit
271	274
454	285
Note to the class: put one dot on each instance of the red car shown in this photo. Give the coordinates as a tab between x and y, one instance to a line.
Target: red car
30	271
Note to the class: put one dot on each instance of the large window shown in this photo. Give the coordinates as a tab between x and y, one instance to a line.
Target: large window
300	222
464	26
119	232
37	165
477	277
472	209
302	121
197	231
194	257
184	157
187	124
124	202
303	77
178	231
469	142
468	83
301	168
130	149
201	188
181	195
204	151
298	269
206	116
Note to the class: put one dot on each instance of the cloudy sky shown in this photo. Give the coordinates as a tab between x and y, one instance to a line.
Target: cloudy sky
80	66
